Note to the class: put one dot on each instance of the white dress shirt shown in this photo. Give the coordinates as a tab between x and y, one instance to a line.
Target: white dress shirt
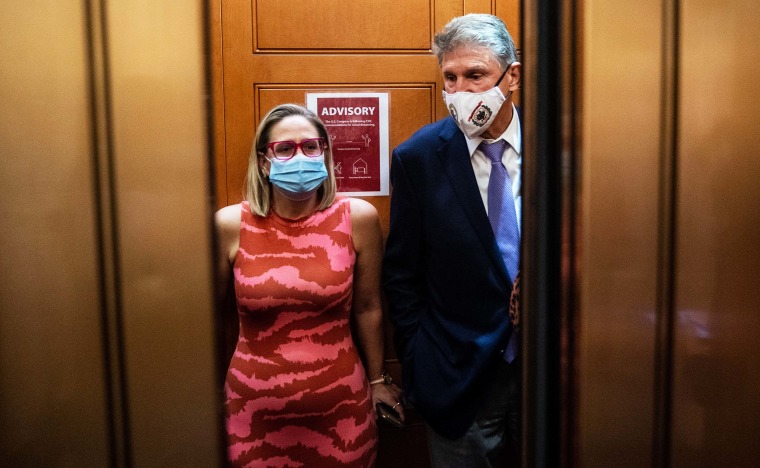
512	160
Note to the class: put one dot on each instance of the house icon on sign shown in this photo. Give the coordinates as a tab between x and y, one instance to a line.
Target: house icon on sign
360	167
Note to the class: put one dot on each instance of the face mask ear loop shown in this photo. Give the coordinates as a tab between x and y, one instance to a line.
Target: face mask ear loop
502	75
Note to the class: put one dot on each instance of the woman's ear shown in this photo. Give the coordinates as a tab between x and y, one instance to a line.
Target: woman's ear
263	164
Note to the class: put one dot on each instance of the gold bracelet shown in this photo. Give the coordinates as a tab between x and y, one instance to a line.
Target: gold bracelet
383	379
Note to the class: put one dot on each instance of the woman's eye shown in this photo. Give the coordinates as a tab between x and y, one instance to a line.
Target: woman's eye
283	148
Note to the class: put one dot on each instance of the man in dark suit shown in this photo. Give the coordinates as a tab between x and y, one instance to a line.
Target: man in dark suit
452	257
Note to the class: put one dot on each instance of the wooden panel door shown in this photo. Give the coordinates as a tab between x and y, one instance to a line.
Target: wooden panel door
267	52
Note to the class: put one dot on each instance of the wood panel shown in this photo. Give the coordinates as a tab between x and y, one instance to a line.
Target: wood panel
244	64
337	26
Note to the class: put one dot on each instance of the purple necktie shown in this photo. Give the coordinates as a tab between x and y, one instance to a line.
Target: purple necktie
501	208
503	218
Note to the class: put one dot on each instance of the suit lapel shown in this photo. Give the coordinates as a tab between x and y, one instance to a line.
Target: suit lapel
453	156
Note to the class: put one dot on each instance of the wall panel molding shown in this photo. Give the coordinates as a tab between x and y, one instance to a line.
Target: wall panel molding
363	26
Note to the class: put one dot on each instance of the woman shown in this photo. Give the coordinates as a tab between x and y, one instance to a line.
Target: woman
303	261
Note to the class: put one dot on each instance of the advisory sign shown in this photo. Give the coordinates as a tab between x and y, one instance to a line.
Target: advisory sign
358	128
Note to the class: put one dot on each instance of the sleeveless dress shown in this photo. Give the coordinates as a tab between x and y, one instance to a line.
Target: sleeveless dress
296	391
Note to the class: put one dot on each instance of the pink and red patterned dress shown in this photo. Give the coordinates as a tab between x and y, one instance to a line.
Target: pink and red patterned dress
296	390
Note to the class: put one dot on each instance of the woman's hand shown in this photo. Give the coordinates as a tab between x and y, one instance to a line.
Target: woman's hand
390	395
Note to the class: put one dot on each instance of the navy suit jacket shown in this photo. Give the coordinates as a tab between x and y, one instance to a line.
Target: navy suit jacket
444	278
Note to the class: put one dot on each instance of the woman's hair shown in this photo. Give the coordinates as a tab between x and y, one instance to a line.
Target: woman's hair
477	30
258	190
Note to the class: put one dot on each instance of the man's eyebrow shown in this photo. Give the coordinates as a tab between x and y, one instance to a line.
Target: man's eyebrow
473	69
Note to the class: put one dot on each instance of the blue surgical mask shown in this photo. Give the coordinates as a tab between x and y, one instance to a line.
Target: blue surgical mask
298	177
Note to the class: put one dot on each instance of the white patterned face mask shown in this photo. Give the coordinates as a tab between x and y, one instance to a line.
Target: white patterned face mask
474	112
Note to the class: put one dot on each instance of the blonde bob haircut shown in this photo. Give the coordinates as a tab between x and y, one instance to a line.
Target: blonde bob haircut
258	189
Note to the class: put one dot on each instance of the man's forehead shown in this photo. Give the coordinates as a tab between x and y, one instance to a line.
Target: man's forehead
469	58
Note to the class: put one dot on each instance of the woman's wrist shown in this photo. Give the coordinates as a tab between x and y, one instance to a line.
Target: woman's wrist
383	379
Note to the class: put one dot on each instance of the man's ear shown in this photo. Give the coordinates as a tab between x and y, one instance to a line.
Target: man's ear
514	74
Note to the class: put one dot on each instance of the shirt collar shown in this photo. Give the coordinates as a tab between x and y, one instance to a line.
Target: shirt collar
511	135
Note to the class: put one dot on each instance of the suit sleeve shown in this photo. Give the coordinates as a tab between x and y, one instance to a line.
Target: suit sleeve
403	265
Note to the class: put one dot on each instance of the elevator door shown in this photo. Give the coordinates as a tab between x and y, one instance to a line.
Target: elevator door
107	351
669	330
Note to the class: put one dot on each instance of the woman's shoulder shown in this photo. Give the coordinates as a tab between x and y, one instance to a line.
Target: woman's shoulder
362	209
228	218
227	221
365	225
364	217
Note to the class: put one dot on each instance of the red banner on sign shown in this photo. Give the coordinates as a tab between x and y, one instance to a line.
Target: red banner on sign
354	127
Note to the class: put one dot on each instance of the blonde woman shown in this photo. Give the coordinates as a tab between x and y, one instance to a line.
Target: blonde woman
305	262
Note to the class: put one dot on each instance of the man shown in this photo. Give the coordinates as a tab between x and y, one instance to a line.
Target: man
452	251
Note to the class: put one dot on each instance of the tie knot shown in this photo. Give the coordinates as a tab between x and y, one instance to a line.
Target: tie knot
493	151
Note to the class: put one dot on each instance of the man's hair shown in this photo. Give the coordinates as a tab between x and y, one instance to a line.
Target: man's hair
257	186
477	30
